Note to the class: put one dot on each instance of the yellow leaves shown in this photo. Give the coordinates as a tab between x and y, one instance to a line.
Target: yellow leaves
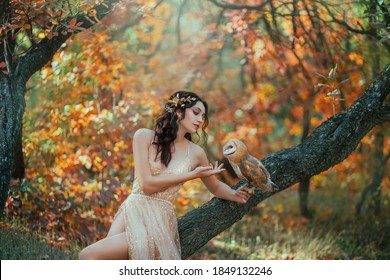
120	145
41	35
295	129
183	201
86	7
242	132
258	48
86	161
357	58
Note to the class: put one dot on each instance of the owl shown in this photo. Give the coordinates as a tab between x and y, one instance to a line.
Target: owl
247	166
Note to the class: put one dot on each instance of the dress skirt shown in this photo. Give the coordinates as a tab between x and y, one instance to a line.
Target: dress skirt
151	228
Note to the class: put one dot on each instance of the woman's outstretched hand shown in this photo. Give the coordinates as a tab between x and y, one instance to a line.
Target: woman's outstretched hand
243	194
206	171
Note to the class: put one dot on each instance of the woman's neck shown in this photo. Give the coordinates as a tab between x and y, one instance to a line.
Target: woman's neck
180	138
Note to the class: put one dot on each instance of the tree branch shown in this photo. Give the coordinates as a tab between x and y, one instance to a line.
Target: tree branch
45	50
343	23
384	114
328	145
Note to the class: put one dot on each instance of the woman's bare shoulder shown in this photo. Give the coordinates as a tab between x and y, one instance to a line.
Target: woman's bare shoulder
144	134
197	152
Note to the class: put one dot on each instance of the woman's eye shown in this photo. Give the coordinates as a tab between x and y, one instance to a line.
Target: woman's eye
196	113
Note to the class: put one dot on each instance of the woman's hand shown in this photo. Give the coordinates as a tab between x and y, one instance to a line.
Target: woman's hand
243	194
207	171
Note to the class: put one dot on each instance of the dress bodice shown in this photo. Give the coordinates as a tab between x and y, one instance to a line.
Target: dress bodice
175	168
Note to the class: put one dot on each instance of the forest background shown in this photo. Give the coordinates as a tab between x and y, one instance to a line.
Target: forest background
271	71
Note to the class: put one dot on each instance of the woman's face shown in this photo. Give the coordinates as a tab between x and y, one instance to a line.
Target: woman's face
194	117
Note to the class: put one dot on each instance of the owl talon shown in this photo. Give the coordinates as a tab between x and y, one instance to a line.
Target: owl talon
248	187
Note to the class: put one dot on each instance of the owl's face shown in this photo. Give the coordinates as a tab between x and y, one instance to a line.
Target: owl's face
235	150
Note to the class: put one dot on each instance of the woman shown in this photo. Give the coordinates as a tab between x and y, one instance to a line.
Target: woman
145	226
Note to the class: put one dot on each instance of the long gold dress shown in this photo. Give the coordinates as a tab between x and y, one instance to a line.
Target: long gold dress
150	220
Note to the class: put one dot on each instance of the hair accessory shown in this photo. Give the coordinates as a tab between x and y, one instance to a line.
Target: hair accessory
168	109
178	101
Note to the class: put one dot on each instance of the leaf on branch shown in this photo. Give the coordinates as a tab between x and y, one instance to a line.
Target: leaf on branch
334	93
54	21
72	22
322	76
92	13
344	81
323	85
333	73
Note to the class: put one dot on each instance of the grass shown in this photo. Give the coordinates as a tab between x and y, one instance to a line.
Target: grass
18	243
273	230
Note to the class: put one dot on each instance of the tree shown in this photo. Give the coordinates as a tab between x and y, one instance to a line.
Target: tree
18	19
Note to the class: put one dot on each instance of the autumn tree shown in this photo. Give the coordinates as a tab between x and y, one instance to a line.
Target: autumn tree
31	33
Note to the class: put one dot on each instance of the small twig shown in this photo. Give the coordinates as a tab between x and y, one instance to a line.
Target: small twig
7	62
69	7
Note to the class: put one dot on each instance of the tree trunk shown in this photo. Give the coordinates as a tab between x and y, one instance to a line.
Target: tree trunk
304	186
328	145
11	114
19	167
372	192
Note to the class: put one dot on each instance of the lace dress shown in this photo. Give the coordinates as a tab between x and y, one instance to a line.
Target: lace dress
150	220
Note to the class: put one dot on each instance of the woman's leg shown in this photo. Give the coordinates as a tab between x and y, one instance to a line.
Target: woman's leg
110	248
114	246
118	225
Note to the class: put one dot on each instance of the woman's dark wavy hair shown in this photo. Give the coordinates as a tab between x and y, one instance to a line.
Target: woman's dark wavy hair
166	126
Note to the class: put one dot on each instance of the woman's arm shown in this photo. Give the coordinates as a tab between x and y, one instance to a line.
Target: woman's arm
220	189
151	184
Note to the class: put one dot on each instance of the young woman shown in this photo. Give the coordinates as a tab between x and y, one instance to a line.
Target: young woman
145	226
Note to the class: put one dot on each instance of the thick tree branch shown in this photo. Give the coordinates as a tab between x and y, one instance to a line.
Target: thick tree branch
328	145
384	114
45	50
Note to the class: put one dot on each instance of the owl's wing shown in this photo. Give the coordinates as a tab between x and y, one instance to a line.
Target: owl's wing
236	170
254	171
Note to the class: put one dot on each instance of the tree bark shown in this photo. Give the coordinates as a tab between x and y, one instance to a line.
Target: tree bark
328	145
18	171
11	114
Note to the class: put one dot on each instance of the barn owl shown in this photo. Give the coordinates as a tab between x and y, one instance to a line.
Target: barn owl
247	166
